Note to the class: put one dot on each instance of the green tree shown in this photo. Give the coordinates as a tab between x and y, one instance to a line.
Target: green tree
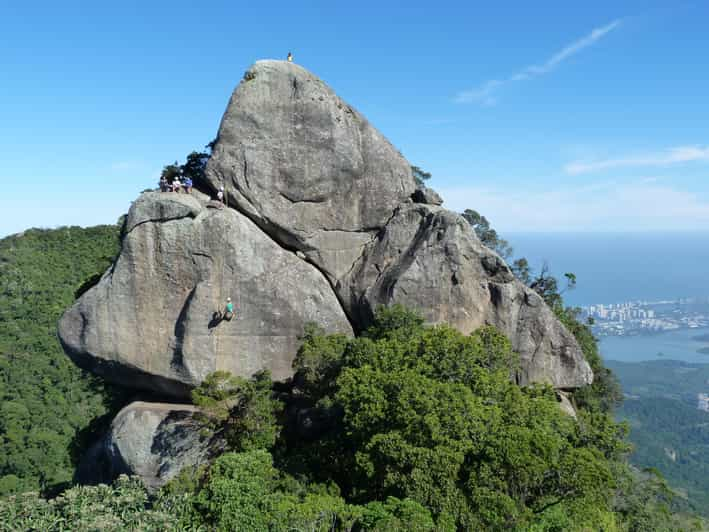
239	410
521	269
432	415
171	171
487	234
50	410
236	489
195	166
124	506
420	176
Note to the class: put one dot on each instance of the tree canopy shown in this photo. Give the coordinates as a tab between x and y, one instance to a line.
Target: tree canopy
407	427
49	409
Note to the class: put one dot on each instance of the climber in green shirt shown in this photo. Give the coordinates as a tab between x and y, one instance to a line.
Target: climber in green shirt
229	310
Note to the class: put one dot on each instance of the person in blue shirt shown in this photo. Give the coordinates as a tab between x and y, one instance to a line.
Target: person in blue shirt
188	185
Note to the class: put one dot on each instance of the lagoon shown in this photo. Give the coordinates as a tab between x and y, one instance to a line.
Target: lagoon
680	344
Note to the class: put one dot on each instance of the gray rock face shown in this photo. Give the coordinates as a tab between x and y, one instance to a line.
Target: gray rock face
149	322
429	259
324	224
426	195
306	166
565	404
153	441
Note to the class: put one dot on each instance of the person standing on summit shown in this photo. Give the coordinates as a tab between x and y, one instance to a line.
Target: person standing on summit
290	57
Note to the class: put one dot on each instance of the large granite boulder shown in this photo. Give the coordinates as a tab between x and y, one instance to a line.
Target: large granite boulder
324	223
150	323
306	166
429	259
153	441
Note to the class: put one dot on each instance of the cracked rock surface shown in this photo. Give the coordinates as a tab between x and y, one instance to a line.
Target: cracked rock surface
324	224
306	166
428	258
149	322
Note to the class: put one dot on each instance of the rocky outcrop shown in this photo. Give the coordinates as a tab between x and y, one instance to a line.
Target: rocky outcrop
325	224
429	259
306	166
149	323
153	441
426	195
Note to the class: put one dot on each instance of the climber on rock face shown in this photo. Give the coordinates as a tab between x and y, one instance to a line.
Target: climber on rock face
220	194
228	310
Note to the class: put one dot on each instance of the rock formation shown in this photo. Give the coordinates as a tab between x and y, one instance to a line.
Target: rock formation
150	323
151	440
428	258
306	167
326	223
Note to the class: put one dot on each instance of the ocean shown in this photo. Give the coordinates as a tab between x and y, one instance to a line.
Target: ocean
613	268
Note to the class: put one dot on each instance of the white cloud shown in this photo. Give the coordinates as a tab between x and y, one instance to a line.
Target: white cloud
485	94
681	154
637	206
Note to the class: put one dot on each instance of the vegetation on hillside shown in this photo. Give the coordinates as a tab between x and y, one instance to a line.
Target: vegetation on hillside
407	427
668	432
47	404
418	428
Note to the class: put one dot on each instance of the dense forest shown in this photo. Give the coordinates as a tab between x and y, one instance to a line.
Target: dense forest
49	408
412	428
668	432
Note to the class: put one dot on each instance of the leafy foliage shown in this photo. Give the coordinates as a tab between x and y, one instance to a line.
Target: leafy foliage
487	234
668	432
420	176
193	168
124	506
171	171
431	415
426	429
239	410
46	403
195	165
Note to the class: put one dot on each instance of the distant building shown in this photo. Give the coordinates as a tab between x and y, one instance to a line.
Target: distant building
703	401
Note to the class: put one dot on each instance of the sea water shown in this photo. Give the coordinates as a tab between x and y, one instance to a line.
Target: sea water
619	267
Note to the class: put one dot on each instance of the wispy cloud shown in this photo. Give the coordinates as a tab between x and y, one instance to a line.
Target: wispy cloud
640	205
485	93
680	154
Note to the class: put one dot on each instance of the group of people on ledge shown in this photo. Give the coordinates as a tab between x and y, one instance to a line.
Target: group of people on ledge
176	185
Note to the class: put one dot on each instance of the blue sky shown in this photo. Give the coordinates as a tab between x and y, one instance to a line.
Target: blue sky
544	117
